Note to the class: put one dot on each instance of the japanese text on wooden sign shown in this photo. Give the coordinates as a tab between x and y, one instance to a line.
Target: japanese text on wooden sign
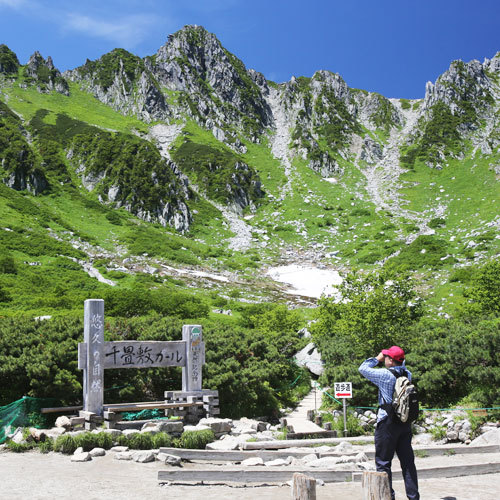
138	354
95	355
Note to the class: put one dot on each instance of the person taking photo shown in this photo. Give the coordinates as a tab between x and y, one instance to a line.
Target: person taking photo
391	435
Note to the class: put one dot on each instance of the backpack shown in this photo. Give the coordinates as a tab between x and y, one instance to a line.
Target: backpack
404	399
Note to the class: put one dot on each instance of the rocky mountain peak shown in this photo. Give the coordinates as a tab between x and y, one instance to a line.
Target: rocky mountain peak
123	81
461	82
45	75
323	79
193	61
493	64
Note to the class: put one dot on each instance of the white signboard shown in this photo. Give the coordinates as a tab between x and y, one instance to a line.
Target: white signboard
343	389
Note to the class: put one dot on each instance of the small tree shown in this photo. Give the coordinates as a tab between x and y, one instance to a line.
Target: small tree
7	265
484	294
373	312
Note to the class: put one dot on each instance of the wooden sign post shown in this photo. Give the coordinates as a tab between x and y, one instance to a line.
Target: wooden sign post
93	367
95	355
195	358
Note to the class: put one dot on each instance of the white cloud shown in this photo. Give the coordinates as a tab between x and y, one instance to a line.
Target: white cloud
128	31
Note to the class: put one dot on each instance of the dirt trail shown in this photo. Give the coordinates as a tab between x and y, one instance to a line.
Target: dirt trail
43	477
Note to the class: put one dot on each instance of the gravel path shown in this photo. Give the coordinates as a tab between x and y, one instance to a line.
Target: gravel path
298	417
43	477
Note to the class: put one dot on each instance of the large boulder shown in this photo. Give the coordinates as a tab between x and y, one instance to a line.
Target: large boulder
311	359
143	456
218	425
488	438
63	422
229	442
168	459
174	427
82	456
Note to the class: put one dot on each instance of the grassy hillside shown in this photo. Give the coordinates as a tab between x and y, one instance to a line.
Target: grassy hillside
334	219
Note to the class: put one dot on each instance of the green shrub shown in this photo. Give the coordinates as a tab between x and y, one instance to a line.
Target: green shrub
405	103
5	296
141	441
20	447
425	251
104	440
89	440
463	275
196	440
7	265
361	212
438	432
371	258
114	218
45	446
65	444
437	222
352	423
162	439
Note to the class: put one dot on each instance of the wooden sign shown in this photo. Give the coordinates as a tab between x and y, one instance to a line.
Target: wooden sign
195	353
95	356
93	370
138	354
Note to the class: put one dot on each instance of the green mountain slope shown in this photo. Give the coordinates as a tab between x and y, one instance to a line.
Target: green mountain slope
153	170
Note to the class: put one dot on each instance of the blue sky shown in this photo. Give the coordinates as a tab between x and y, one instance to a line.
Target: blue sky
389	46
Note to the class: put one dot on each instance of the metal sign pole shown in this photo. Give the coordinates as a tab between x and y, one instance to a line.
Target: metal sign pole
345	417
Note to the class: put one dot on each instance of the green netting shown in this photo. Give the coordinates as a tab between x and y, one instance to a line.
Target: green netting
24	412
154	414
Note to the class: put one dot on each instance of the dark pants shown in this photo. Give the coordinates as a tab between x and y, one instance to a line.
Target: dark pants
393	437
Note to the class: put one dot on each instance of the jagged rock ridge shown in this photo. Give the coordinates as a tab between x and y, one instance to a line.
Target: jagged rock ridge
319	119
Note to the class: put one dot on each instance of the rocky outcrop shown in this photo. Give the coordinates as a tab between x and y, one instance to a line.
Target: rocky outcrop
18	164
311	359
45	75
374	111
134	177
461	82
124	82
324	110
32	181
217	90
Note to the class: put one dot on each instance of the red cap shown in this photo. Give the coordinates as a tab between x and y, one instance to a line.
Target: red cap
395	352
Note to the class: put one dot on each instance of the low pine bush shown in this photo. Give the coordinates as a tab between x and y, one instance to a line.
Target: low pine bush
87	441
162	439
104	440
140	441
196	440
45	446
65	444
20	447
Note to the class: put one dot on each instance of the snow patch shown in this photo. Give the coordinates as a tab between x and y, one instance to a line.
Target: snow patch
307	281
